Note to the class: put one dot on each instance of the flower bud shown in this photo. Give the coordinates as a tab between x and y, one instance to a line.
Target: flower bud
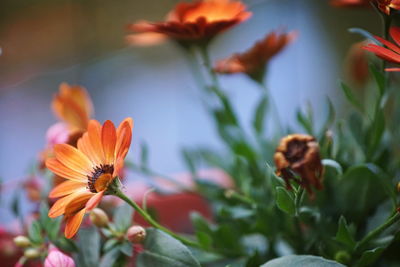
297	157
99	217
57	258
136	234
22	241
31	253
398	187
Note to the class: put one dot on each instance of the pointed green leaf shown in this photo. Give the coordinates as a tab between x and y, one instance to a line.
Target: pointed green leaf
351	97
123	216
343	234
301	261
259	115
285	201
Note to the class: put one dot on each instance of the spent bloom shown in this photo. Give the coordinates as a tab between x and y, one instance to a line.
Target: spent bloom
297	157
56	258
89	169
253	61
198	21
391	52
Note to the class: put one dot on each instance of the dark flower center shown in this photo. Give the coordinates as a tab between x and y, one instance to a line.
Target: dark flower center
97	173
296	150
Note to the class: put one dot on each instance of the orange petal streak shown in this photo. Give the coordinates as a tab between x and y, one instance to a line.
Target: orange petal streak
73	158
73	223
108	139
66	188
61	170
94	200
59	206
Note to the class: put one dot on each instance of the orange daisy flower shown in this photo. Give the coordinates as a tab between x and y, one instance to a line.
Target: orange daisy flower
196	21
253	61
392	52
90	169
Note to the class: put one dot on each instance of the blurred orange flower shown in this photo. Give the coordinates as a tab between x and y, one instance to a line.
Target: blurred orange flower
386	5
254	60
392	52
357	64
196	21
90	169
349	3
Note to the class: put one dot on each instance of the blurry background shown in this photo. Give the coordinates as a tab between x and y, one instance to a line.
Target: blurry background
46	42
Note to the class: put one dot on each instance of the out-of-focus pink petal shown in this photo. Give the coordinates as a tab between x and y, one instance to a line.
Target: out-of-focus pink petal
57	134
58	259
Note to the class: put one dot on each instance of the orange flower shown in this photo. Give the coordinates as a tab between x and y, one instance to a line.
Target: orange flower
392	52
90	169
196	21
386	5
357	64
349	3
254	60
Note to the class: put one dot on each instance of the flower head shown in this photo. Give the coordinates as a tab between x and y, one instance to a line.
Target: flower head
297	157
90	169
392	52
254	60
59	259
386	5
189	22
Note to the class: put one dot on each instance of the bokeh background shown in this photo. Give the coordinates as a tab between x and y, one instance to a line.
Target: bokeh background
46	42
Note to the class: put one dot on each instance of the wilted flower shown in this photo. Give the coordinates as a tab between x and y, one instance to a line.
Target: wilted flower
297	157
253	61
136	234
90	169
392	52
99	217
58	259
192	22
357	64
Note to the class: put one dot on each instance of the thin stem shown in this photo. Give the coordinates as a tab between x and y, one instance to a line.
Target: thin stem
377	231
297	202
235	195
274	107
150	220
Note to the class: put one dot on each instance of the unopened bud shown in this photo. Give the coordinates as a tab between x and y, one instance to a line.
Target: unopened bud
398	187
99	217
31	253
22	241
136	234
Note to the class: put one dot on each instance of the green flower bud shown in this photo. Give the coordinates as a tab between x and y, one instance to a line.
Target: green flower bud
99	218
31	253
22	241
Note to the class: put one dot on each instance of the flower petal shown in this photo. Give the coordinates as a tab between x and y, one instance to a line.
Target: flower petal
61	170
392	69
124	137
73	223
390	45
108	139
66	188
78	202
395	33
59	206
94	133
94	200
86	147
73	158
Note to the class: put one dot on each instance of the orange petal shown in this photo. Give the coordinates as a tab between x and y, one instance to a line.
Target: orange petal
61	170
108	139
73	158
66	188
85	146
124	137
94	200
73	223
59	206
78	202
146	39
392	69
94	133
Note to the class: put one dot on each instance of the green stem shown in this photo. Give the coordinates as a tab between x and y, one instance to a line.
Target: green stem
234	195
274	108
297	201
377	231
150	220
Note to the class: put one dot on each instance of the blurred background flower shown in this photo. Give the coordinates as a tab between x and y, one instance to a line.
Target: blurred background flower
82	42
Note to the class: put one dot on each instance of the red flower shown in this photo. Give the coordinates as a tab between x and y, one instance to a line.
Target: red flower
349	3
386	5
392	52
196	21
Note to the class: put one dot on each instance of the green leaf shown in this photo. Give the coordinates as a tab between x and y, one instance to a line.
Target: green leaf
333	164
44	218
351	97
305	121
204	239
35	233
65	244
285	201
126	248
189	159
89	246
369	257
375	131
15	204
330	118
259	114
109	244
123	217
144	155
301	261
163	250
379	78
109	259
343	234
53	228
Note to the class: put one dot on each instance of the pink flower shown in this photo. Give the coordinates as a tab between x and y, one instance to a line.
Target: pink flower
58	259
